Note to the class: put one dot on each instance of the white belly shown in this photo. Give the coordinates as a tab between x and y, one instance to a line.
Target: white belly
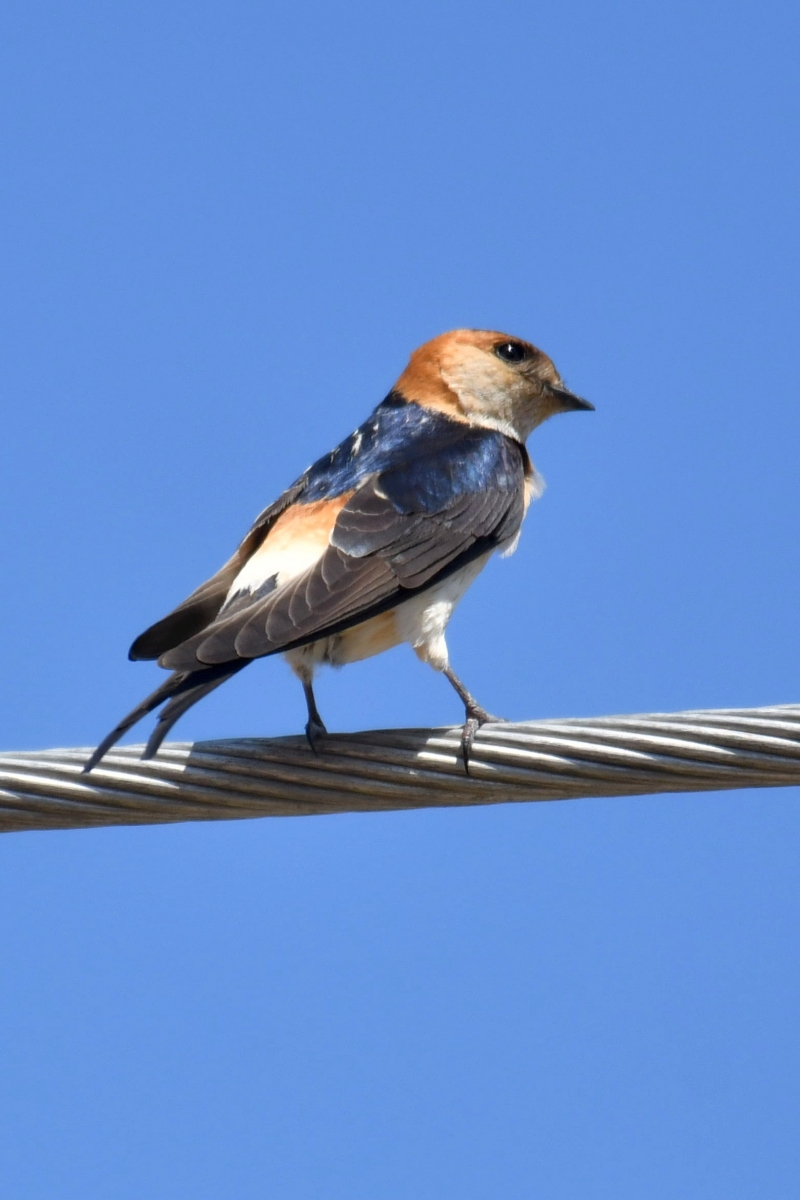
423	620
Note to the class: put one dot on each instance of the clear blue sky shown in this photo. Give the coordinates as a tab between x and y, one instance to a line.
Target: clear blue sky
224	227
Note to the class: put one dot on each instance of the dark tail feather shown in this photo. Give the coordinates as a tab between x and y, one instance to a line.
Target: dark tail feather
182	690
198	685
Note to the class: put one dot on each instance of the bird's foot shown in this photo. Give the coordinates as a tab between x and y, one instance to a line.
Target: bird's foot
315	732
476	716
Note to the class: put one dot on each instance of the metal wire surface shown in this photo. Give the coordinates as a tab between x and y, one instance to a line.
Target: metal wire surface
404	768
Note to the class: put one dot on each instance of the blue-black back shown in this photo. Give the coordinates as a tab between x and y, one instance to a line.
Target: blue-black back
425	459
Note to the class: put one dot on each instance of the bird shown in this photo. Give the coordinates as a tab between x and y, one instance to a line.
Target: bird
376	542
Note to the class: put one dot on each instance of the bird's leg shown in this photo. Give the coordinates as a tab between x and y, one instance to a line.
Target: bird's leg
476	715
315	727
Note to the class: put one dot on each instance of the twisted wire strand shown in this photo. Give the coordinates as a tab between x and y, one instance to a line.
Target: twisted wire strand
382	770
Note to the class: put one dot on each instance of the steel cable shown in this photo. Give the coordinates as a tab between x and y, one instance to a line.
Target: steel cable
383	770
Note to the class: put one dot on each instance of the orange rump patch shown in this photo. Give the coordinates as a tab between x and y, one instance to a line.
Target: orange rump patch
297	540
307	522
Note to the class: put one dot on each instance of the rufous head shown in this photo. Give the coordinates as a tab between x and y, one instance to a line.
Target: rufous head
487	378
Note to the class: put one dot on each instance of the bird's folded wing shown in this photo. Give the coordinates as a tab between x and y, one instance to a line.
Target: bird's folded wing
199	609
353	556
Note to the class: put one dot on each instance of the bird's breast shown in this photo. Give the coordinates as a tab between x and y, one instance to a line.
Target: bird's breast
365	640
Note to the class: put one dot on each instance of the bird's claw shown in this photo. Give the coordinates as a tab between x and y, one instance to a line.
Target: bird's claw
315	732
476	716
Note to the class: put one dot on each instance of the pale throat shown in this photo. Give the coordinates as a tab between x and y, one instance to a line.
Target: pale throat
487	402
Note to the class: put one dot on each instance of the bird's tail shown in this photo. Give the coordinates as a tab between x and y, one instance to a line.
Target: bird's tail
181	691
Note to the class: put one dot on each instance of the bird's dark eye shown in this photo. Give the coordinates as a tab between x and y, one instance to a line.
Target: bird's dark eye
512	352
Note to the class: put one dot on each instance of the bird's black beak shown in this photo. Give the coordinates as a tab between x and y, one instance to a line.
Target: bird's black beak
569	402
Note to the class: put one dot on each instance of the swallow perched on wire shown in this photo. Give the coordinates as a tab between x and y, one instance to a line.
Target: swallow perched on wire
375	543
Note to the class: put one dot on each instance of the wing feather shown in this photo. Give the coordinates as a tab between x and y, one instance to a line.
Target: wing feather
380	552
201	608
